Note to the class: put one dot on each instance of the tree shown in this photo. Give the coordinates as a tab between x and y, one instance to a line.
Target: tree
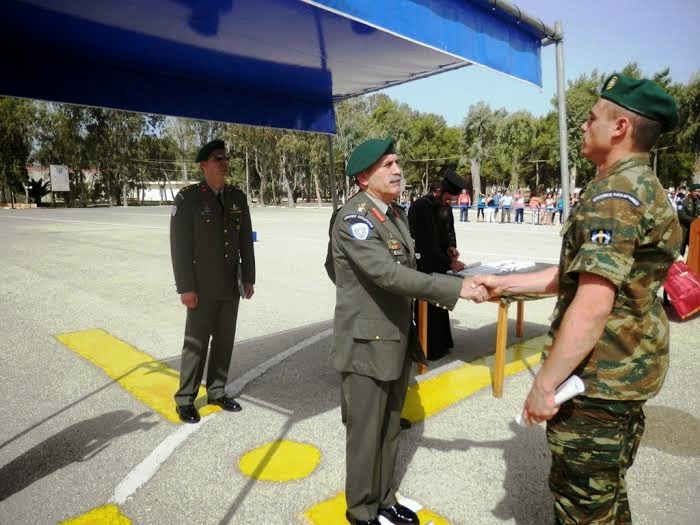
479	137
514	135
16	129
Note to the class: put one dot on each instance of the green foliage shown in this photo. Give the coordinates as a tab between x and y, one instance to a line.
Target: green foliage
112	153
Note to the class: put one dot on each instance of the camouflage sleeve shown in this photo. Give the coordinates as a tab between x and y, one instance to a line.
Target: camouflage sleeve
606	233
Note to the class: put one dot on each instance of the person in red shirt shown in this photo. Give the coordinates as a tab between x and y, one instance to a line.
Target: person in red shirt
465	202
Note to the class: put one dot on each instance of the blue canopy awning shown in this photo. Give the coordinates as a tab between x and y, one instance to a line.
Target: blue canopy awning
277	63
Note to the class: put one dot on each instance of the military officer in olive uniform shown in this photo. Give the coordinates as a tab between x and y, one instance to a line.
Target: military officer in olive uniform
374	341
609	326
211	245
688	211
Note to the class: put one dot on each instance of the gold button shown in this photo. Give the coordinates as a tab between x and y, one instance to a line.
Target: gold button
225	230
226	256
376	337
226	243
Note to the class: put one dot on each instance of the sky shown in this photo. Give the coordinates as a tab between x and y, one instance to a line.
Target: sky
597	34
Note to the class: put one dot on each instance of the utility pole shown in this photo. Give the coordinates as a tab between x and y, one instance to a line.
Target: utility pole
656	155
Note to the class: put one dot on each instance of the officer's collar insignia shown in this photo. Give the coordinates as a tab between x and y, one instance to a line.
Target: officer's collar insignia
601	236
359	230
379	215
362	208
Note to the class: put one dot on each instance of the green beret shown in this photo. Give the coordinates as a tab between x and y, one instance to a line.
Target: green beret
644	97
207	149
367	153
694	187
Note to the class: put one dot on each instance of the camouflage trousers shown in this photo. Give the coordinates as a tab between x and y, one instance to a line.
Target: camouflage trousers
593	443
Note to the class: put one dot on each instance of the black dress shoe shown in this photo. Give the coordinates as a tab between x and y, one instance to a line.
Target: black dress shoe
187	413
399	514
353	521
405	424
227	403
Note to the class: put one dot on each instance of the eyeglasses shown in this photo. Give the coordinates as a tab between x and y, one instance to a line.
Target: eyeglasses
220	158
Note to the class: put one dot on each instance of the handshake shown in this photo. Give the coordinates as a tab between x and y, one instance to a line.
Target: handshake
480	288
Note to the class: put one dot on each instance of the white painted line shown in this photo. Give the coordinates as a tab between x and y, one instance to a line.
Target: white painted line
145	470
139	226
236	386
149	466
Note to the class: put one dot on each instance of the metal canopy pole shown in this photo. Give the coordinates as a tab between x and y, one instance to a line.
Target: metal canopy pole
563	133
331	172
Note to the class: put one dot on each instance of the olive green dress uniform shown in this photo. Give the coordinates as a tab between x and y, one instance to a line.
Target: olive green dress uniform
374	340
208	234
625	230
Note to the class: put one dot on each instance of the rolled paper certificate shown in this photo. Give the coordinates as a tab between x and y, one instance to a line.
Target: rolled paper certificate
568	389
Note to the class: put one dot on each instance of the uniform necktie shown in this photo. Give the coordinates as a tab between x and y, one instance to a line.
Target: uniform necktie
220	198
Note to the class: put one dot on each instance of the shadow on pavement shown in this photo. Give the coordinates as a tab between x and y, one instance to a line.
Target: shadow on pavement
671	431
79	442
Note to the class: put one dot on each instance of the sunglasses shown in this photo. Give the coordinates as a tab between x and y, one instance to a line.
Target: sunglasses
220	158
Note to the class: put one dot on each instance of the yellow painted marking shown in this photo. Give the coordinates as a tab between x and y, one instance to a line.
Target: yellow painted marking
280	461
105	515
332	512
433	395
150	381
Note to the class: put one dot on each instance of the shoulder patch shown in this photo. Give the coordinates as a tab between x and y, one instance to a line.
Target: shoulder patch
360	231
601	236
634	201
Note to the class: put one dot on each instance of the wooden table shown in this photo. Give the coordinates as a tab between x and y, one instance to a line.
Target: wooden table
501	330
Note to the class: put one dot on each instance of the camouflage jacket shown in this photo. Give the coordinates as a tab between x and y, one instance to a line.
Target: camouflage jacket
625	230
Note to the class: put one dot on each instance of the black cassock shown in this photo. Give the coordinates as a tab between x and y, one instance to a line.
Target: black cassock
432	228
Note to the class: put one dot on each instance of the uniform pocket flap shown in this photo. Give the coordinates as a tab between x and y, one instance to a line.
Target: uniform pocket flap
375	330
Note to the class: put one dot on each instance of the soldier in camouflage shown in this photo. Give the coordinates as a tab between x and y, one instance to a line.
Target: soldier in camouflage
688	211
609	326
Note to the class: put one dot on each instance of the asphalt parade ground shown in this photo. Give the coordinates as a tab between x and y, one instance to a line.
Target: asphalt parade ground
90	337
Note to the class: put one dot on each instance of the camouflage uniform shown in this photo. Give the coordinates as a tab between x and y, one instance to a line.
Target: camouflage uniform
624	230
688	211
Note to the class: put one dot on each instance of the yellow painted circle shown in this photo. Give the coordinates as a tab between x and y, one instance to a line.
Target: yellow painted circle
280	461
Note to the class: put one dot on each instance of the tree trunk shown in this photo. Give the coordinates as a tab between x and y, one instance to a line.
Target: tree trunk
476	178
285	182
318	188
263	177
125	187
572	178
184	170
514	176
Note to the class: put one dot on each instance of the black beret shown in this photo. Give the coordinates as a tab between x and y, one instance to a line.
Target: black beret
453	183
642	96
366	154
207	149
694	187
